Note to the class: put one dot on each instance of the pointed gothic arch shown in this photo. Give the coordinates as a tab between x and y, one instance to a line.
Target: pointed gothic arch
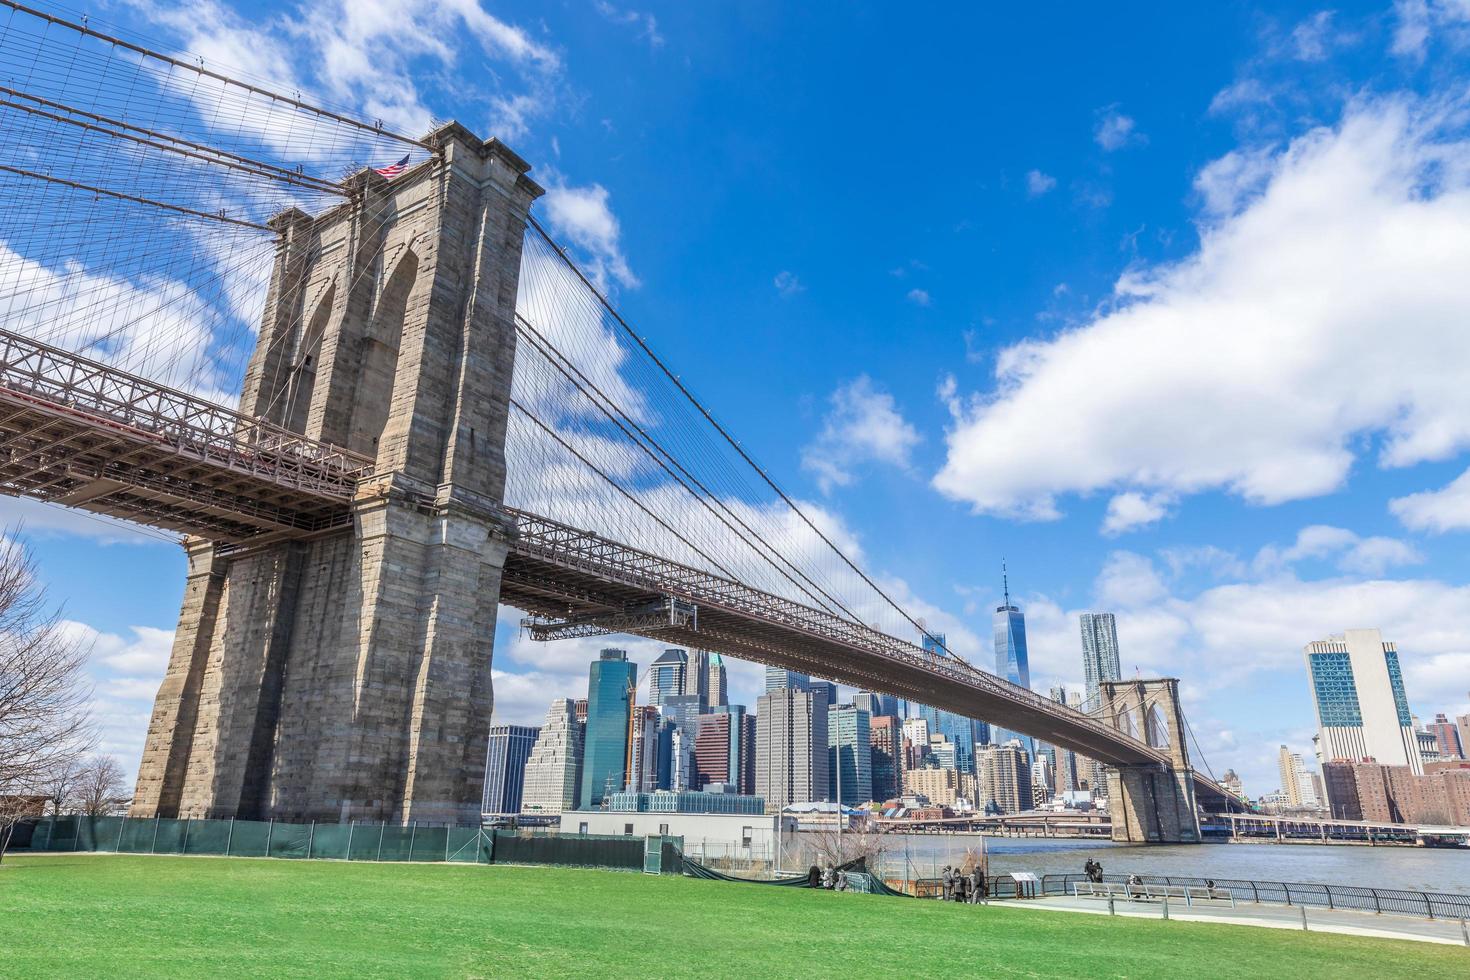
1157	728
379	366
303	372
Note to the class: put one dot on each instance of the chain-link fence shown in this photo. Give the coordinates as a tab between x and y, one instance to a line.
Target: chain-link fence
354	842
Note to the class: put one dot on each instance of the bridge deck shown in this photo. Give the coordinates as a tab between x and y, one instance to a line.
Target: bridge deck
78	433
557	570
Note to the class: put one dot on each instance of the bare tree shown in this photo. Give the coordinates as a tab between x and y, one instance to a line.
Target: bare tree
44	698
100	786
830	847
61	783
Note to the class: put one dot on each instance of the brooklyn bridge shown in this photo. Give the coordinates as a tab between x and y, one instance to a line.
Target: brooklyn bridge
379	404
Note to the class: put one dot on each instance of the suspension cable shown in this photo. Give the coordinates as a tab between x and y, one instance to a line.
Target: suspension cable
734	444
134	198
199	68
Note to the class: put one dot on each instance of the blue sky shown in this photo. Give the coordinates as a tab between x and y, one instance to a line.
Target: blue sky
1164	304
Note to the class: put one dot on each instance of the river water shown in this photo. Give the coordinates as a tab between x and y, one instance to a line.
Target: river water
1415	868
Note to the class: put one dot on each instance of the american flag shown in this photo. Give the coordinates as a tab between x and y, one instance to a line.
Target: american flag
393	169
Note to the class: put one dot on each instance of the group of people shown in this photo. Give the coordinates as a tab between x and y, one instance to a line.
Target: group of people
830	878
961	886
1093	870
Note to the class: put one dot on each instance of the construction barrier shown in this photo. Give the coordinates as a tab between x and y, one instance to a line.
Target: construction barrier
354	842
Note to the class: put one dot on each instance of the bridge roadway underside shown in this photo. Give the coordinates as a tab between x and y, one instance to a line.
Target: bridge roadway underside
558	572
536	585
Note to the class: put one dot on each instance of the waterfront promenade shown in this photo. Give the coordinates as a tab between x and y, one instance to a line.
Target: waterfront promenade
1340	921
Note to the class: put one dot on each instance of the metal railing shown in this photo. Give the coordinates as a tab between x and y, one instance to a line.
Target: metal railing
1359	898
582	550
59	380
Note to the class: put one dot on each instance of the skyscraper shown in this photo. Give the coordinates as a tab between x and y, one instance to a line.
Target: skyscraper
1298	783
724	749
1099	653
876	705
1362	711
1011	661
958	730
776	679
610	684
1448	737
825	688
666	676
649	760
696	678
681	713
885	734
849	755
719	684
916	739
553	779
790	747
1003	782
1066	773
505	766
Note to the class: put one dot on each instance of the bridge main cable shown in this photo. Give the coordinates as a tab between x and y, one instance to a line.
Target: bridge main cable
74	185
161	141
295	103
735	445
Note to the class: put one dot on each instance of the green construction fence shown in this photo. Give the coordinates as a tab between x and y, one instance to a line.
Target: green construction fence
355	842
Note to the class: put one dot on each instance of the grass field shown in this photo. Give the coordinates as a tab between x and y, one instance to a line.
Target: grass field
104	915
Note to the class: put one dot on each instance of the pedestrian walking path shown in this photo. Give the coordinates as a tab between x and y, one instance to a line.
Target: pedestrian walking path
1269	917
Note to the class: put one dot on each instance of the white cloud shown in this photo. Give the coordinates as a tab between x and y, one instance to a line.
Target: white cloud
383	58
1038	183
1238	94
1316	37
1349	551
787	284
1231	641
145	653
1420	20
863	426
125	672
143	689
43	519
1329	305
1216	562
1132	510
645	24
1225	185
1114	130
919	297
582	215
1445	509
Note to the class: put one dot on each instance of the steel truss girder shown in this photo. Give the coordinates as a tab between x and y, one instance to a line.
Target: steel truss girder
762	620
53	379
659	616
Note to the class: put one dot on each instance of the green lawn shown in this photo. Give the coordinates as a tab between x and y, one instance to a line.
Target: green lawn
105	915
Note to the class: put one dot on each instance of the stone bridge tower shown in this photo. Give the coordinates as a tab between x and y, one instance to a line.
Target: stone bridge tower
346	674
1149	803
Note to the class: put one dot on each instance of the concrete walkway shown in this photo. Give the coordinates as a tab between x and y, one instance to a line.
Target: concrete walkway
1267	916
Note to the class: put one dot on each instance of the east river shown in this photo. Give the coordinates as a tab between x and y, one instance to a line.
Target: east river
1415	868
